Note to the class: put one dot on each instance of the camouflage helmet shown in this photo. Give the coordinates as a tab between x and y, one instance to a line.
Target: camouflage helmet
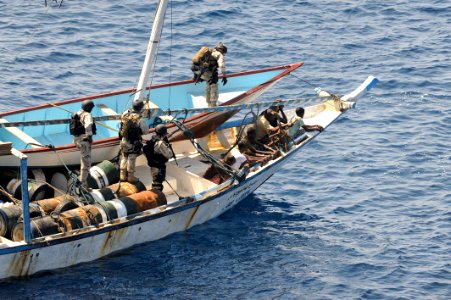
161	129
87	105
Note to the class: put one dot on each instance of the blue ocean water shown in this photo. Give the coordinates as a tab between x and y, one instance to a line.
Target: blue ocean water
362	213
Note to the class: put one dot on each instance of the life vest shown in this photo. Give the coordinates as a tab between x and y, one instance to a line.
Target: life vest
130	129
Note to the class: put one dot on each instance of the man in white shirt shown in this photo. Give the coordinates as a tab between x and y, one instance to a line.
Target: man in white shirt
296	123
237	153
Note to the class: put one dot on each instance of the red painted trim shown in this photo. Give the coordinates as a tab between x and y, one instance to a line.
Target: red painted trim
289	68
114	140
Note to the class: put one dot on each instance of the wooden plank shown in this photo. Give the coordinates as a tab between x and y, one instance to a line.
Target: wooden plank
21	135
107	110
5	148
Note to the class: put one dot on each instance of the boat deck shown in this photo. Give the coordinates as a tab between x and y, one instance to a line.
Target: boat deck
183	178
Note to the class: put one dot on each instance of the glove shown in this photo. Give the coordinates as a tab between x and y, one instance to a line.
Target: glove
224	80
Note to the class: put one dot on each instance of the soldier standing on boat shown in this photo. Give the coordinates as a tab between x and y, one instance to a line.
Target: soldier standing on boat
133	127
82	127
205	67
158	151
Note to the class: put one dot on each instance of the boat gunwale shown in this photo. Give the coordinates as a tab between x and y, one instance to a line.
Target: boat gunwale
288	69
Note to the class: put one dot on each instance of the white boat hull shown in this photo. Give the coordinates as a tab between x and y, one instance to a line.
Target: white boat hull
24	259
19	259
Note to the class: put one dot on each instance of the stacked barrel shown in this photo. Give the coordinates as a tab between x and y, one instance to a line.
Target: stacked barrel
65	212
103	211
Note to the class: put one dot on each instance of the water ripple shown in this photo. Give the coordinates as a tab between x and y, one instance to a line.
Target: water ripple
363	212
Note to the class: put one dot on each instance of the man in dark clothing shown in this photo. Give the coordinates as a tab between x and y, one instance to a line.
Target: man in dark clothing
158	151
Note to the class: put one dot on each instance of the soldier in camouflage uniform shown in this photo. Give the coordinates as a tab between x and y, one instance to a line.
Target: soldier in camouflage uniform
158	151
211	77
133	127
83	139
205	67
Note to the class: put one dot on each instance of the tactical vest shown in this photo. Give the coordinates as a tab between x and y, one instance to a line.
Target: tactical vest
130	129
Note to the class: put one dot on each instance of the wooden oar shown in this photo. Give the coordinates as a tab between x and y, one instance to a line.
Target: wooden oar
101	124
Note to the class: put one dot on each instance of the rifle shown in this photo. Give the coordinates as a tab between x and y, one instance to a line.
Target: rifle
197	76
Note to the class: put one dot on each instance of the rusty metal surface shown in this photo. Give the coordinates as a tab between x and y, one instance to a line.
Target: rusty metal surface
97	242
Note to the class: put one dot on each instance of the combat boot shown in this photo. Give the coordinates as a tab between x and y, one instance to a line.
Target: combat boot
131	178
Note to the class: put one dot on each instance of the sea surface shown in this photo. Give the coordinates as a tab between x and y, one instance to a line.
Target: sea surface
363	212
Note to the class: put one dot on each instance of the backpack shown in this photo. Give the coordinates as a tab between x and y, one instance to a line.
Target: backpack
130	129
75	125
201	55
163	149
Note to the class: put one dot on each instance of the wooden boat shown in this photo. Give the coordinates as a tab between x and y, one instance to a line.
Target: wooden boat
74	236
32	130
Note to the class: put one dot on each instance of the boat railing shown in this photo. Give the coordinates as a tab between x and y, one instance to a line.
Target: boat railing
24	189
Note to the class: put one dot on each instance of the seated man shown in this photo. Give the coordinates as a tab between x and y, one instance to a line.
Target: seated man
252	158
240	159
280	113
257	149
267	126
276	118
297	122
